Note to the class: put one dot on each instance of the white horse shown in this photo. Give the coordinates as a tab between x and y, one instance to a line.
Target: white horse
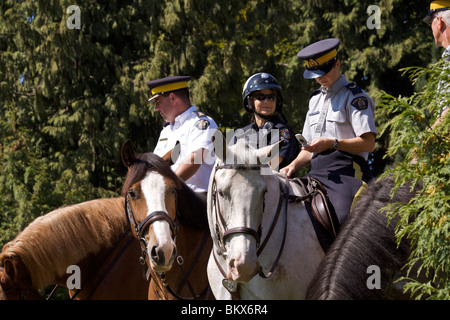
264	246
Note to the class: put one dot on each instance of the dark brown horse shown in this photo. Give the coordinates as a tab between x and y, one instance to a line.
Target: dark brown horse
365	247
93	236
170	221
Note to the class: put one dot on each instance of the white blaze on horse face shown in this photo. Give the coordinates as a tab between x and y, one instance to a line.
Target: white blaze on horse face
153	187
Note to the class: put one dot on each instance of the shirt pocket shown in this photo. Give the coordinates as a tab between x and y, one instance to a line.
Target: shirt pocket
339	116
313	118
336	121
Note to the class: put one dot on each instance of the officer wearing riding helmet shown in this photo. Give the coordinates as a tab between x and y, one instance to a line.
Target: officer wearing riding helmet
339	127
262	96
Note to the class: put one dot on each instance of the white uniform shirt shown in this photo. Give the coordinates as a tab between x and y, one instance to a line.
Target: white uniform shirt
193	130
332	115
443	86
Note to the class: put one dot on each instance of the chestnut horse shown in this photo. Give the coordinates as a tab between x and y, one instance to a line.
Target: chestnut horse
94	236
170	221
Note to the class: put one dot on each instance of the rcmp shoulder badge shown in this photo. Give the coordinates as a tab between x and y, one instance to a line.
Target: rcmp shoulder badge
202	124
285	134
360	103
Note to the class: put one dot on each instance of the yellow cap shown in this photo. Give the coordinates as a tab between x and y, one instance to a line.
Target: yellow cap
436	6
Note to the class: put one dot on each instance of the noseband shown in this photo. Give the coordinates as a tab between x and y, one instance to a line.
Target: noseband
139	229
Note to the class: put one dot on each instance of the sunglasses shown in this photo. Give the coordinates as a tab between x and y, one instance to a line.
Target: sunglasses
262	97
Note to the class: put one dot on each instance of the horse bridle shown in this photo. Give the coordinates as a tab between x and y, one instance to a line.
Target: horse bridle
284	198
21	293
139	229
220	221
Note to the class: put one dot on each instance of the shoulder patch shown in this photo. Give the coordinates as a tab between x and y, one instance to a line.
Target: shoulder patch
202	124
354	88
360	103
285	134
314	93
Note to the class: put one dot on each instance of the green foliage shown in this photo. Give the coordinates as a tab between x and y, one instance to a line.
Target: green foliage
425	151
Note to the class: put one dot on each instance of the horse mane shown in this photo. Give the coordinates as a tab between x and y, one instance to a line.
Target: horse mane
367	238
191	207
65	236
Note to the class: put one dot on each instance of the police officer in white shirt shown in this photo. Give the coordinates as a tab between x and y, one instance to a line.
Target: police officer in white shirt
438	18
184	123
339	127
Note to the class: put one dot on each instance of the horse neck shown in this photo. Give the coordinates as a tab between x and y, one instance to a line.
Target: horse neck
78	246
191	209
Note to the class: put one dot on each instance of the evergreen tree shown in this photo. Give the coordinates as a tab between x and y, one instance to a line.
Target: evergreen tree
425	149
69	98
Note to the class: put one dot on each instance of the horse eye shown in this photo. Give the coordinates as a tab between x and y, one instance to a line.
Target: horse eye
173	191
133	194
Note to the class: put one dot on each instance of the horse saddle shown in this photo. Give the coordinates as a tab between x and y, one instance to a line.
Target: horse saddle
320	209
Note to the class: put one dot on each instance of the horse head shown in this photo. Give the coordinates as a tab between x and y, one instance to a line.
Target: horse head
150	191
15	281
237	193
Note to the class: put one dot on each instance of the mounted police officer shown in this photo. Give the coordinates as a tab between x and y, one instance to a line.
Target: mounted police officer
184	123
263	98
339	127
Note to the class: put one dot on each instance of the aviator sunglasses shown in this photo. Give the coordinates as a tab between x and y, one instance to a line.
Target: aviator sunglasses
262	97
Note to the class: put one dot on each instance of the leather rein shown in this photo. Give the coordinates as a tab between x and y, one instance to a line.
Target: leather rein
139	230
283	200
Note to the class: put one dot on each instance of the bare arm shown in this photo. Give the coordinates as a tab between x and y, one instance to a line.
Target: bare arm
189	166
363	143
303	159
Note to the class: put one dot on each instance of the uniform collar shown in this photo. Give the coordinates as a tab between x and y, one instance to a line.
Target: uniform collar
274	119
180	119
336	86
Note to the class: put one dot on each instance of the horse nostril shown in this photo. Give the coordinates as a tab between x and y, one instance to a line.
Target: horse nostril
157	255
153	254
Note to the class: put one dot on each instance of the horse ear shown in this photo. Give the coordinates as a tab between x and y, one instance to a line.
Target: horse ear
220	145
127	153
172	156
9	269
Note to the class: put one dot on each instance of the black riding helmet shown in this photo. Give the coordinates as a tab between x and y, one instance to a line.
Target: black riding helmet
260	81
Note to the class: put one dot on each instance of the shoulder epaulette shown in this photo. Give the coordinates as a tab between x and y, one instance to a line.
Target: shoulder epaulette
317	91
200	114
354	88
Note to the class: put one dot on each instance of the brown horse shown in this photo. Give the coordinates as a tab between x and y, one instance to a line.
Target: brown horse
93	236
170	221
